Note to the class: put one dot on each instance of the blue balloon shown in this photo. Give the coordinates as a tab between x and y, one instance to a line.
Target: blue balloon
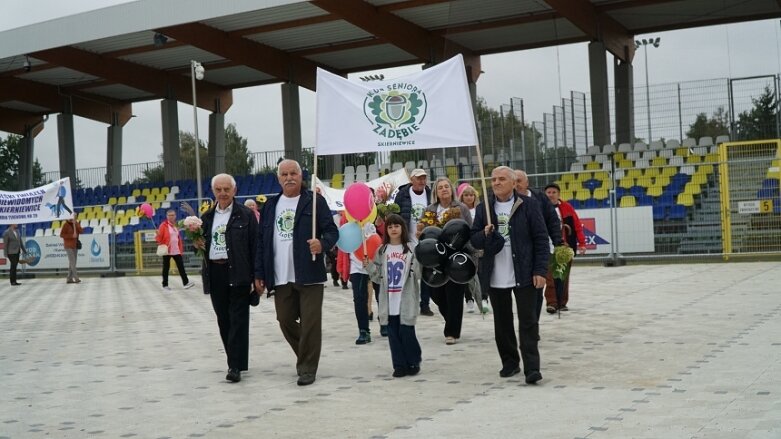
350	237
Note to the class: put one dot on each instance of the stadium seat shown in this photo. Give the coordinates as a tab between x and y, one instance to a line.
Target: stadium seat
625	147
627	201
659	212
689	142
677	212
656	145
685	199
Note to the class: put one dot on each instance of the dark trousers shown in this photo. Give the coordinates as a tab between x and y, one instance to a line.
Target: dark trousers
551	297
14	258
360	284
404	346
300	314
231	304
539	301
450	300
425	296
179	266
528	328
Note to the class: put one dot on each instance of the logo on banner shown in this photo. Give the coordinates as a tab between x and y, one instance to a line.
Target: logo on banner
397	111
33	252
94	248
589	231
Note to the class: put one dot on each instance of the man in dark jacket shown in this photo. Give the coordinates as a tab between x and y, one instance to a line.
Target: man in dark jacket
515	261
412	199
228	273
290	263
552	220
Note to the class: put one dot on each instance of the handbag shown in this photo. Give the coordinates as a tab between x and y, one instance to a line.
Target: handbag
78	244
162	250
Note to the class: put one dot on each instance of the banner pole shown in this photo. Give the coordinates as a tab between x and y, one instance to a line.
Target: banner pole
482	184
314	201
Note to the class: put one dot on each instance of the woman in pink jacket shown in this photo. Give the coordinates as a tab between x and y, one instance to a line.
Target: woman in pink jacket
168	234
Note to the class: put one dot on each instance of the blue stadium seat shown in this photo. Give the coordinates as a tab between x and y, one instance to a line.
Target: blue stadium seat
591	203
659	212
677	212
592	184
644	200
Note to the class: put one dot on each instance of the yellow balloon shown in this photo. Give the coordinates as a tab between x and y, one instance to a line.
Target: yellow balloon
368	220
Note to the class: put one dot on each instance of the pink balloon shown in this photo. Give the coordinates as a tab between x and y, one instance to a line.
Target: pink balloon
147	210
358	201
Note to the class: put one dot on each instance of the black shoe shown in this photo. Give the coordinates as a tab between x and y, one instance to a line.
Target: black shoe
336	282
15	284
233	375
398	373
384	330
563	308
413	370
426	312
509	371
363	337
371	316
344	287
306	379
550	309
533	377
254	298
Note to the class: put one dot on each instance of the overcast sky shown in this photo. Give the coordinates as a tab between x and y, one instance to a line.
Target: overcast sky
539	76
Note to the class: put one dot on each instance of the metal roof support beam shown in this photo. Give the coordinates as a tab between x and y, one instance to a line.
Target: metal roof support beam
157	82
89	106
597	25
275	62
426	46
19	122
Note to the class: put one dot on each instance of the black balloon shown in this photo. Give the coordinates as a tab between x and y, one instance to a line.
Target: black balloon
433	277
460	268
430	232
431	253
455	234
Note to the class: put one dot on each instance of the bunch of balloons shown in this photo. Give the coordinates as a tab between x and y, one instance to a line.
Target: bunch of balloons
358	235
441	253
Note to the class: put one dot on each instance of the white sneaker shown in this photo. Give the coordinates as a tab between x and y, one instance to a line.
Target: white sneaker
189	285
470	306
486	309
166	288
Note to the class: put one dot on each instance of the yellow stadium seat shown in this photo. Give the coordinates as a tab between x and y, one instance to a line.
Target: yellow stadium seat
683	151
154	191
122	200
136	192
625	164
601	175
662	180
155	205
626	182
651	172
619	156
112	201
705	169
711	158
583	176
694	158
685	199
659	161
669	171
593	166
567	178
576	185
628	201
582	195
643	181
566	195
692	188
145	192
654	191
699	179
634	173
165	190
600	193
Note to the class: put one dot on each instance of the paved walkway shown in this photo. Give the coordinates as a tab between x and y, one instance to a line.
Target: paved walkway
659	351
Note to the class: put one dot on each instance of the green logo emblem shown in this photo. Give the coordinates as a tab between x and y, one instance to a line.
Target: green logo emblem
396	111
285	222
504	227
218	238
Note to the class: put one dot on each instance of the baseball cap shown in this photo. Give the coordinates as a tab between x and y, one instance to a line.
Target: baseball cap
417	172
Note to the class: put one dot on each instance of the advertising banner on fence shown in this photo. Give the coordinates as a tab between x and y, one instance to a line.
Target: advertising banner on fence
50	202
335	197
635	230
48	253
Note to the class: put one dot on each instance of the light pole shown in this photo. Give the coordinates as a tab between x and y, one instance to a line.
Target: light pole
644	43
196	72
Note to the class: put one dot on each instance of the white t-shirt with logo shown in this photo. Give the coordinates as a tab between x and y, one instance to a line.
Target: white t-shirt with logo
503	275
418	205
219	247
394	271
284	220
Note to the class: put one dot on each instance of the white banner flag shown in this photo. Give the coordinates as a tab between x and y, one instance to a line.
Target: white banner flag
430	109
50	202
335	197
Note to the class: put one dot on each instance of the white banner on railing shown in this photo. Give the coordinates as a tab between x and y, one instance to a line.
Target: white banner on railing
48	253
335	197
635	230
50	202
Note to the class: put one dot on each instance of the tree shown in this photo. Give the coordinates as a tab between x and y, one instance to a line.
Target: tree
10	162
760	121
713	127
237	157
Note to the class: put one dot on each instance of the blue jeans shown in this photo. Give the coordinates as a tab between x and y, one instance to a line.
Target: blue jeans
404	346
360	284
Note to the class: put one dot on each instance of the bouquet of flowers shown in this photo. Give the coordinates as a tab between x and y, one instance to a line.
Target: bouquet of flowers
192	229
450	214
429	219
383	210
559	262
260	199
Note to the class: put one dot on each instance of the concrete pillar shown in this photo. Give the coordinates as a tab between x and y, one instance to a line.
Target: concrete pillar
291	121
114	155
625	118
26	160
216	144
67	143
600	99
170	121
